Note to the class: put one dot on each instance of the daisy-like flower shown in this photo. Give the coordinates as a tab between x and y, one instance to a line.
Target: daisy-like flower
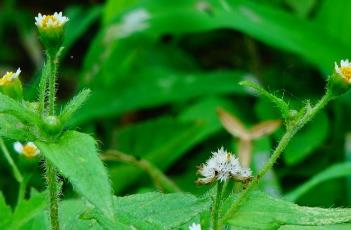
194	226
9	77
29	150
56	20
222	166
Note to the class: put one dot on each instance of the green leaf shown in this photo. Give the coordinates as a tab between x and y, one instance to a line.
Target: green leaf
326	227
307	140
74	105
75	155
10	106
333	172
156	211
155	87
280	103
5	212
26	210
272	213
80	20
113	8
170	141
14	129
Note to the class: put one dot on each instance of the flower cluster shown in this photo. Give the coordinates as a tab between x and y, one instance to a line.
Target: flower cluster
222	166
50	21
29	150
340	81
9	77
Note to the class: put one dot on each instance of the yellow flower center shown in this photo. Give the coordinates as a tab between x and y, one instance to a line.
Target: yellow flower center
346	72
6	78
29	151
46	20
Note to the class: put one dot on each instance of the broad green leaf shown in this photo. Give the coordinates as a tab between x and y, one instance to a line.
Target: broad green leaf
334	22
80	20
272	213
155	87
14	129
113	7
333	172
10	106
307	140
26	210
156	211
75	155
326	227
5	212
171	139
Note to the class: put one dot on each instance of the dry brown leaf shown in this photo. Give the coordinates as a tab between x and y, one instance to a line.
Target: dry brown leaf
232	124
245	152
264	128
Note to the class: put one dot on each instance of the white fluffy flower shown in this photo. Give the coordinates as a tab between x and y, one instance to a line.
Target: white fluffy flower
344	69
194	226
51	21
222	166
9	76
29	150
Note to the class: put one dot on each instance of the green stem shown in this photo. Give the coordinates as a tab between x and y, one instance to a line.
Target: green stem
216	206
292	130
158	177
17	174
53	194
52	83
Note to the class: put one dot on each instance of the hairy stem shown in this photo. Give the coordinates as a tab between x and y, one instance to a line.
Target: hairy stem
158	177
216	206
291	131
53	194
16	173
52	83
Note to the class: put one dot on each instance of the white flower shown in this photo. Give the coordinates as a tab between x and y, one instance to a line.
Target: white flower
344	69
9	76
194	226
29	150
51	21
222	166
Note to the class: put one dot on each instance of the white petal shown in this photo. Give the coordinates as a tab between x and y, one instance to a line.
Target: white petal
18	147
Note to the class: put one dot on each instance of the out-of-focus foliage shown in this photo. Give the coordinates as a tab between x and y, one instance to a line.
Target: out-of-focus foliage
158	71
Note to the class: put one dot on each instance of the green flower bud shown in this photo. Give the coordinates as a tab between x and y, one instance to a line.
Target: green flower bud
52	125
51	31
340	81
11	86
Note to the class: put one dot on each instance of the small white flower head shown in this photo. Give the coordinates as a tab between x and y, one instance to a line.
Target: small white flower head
194	226
222	166
344	69
57	20
9	77
29	150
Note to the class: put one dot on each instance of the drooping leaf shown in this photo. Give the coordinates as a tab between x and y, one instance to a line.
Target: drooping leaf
75	155
333	172
272	213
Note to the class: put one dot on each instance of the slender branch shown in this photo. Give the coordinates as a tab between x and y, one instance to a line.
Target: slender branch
17	174
159	178
292	130
216	207
53	194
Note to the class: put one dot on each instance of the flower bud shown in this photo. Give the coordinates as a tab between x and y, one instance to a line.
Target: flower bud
52	125
51	31
11	86
340	81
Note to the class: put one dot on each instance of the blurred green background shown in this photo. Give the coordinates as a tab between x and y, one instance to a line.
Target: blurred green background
160	69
